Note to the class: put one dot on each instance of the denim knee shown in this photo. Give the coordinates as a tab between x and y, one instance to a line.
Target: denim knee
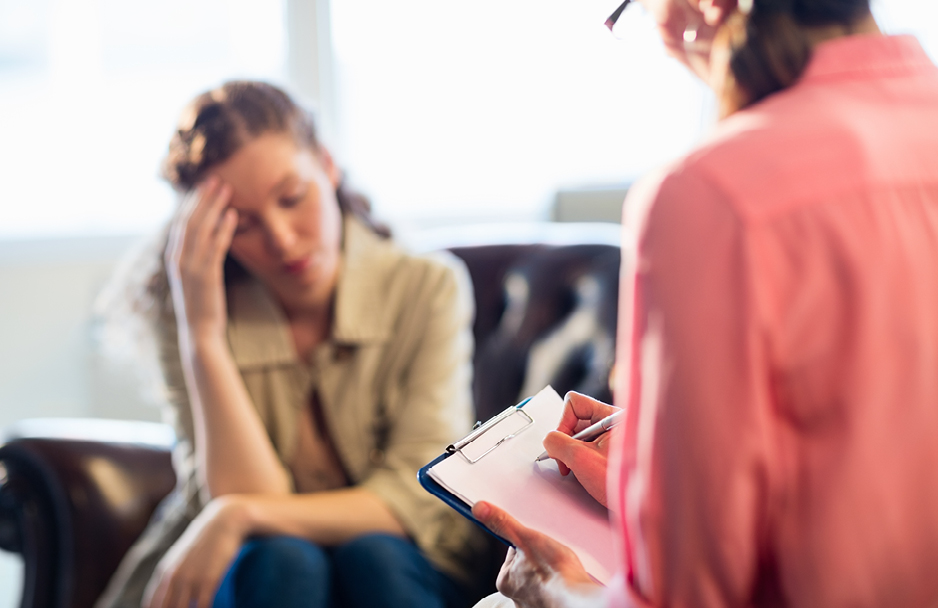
277	571
384	571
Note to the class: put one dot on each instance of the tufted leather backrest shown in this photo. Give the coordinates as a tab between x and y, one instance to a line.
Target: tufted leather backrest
544	315
77	495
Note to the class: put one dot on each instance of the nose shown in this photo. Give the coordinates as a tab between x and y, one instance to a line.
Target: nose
280	236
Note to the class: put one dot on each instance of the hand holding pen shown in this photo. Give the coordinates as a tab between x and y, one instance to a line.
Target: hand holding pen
586	458
593	431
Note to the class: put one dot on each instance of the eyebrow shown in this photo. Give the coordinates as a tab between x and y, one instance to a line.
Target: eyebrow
282	182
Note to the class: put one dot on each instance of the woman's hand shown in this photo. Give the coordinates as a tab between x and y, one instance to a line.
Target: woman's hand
191	571
199	239
538	571
688	27
587	460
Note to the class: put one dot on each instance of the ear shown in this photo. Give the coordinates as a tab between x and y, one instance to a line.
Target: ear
329	166
715	12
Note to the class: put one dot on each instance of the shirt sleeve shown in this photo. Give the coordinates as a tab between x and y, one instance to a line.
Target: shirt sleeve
690	480
436	409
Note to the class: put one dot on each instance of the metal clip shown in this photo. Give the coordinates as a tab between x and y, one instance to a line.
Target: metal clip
480	430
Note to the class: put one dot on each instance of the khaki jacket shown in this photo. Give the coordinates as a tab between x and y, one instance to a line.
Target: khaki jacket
394	386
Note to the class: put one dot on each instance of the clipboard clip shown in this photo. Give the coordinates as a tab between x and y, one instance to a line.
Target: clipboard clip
497	430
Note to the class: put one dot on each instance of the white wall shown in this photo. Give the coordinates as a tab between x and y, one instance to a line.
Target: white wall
48	362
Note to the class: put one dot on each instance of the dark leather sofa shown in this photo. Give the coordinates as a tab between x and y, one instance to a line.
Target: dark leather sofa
75	494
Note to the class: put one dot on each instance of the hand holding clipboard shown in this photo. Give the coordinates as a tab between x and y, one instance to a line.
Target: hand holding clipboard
496	464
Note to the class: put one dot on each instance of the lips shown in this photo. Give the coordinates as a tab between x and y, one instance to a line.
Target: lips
297	267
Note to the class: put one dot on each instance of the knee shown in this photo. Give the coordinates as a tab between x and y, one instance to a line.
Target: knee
281	557
399	575
376	552
277	571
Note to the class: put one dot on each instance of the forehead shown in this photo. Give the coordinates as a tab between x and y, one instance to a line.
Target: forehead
265	165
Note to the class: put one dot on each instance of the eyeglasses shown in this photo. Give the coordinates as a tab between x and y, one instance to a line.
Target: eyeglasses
611	21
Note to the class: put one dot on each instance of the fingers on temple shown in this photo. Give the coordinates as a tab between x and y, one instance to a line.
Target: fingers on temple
209	215
226	230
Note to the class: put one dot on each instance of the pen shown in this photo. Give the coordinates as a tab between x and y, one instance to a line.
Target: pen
593	431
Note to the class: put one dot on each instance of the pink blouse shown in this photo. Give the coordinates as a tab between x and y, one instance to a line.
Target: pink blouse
782	440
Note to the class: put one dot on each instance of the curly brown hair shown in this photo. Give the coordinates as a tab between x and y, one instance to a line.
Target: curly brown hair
217	123
135	310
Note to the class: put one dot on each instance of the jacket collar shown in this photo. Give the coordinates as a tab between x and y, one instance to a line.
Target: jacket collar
258	331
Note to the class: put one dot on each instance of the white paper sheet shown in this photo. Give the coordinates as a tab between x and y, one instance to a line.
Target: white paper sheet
535	493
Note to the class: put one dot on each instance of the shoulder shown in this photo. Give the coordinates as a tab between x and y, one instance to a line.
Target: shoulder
385	262
381	282
814	142
433	284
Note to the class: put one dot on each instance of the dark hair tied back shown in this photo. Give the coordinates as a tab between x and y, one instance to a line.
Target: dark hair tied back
771	47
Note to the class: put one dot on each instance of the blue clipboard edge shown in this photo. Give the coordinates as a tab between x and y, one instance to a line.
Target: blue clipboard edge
431	486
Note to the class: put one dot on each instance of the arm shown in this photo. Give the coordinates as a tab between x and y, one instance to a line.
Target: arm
232	450
691	488
434	405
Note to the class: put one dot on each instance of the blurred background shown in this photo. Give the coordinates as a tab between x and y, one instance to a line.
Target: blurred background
442	112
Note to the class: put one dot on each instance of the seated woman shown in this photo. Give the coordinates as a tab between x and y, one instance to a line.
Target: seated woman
312	367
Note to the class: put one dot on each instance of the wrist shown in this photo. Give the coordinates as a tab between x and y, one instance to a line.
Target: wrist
233	512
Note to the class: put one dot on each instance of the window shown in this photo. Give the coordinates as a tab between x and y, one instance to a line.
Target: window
451	110
89	95
440	110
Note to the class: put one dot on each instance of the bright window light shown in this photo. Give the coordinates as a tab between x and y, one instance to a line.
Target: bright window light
483	110
89	95
916	17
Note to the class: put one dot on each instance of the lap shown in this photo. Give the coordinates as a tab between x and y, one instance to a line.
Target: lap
374	570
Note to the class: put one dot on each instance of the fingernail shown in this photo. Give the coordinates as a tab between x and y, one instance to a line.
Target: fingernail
481	510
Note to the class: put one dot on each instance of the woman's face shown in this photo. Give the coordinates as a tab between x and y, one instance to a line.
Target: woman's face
289	223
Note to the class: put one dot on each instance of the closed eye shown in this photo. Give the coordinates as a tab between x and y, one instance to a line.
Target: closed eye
295	197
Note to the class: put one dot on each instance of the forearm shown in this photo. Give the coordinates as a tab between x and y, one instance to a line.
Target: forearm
233	451
326	518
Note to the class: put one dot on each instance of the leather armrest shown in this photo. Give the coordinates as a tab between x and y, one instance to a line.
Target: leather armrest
76	495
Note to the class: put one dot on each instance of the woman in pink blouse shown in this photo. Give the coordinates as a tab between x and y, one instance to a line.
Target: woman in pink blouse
778	354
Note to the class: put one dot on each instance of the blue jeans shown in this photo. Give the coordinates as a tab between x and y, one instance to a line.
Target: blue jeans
372	571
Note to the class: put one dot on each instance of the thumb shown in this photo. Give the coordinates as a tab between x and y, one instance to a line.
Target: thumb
498	521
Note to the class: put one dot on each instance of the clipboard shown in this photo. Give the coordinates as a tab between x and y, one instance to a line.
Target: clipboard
496	463
485	438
